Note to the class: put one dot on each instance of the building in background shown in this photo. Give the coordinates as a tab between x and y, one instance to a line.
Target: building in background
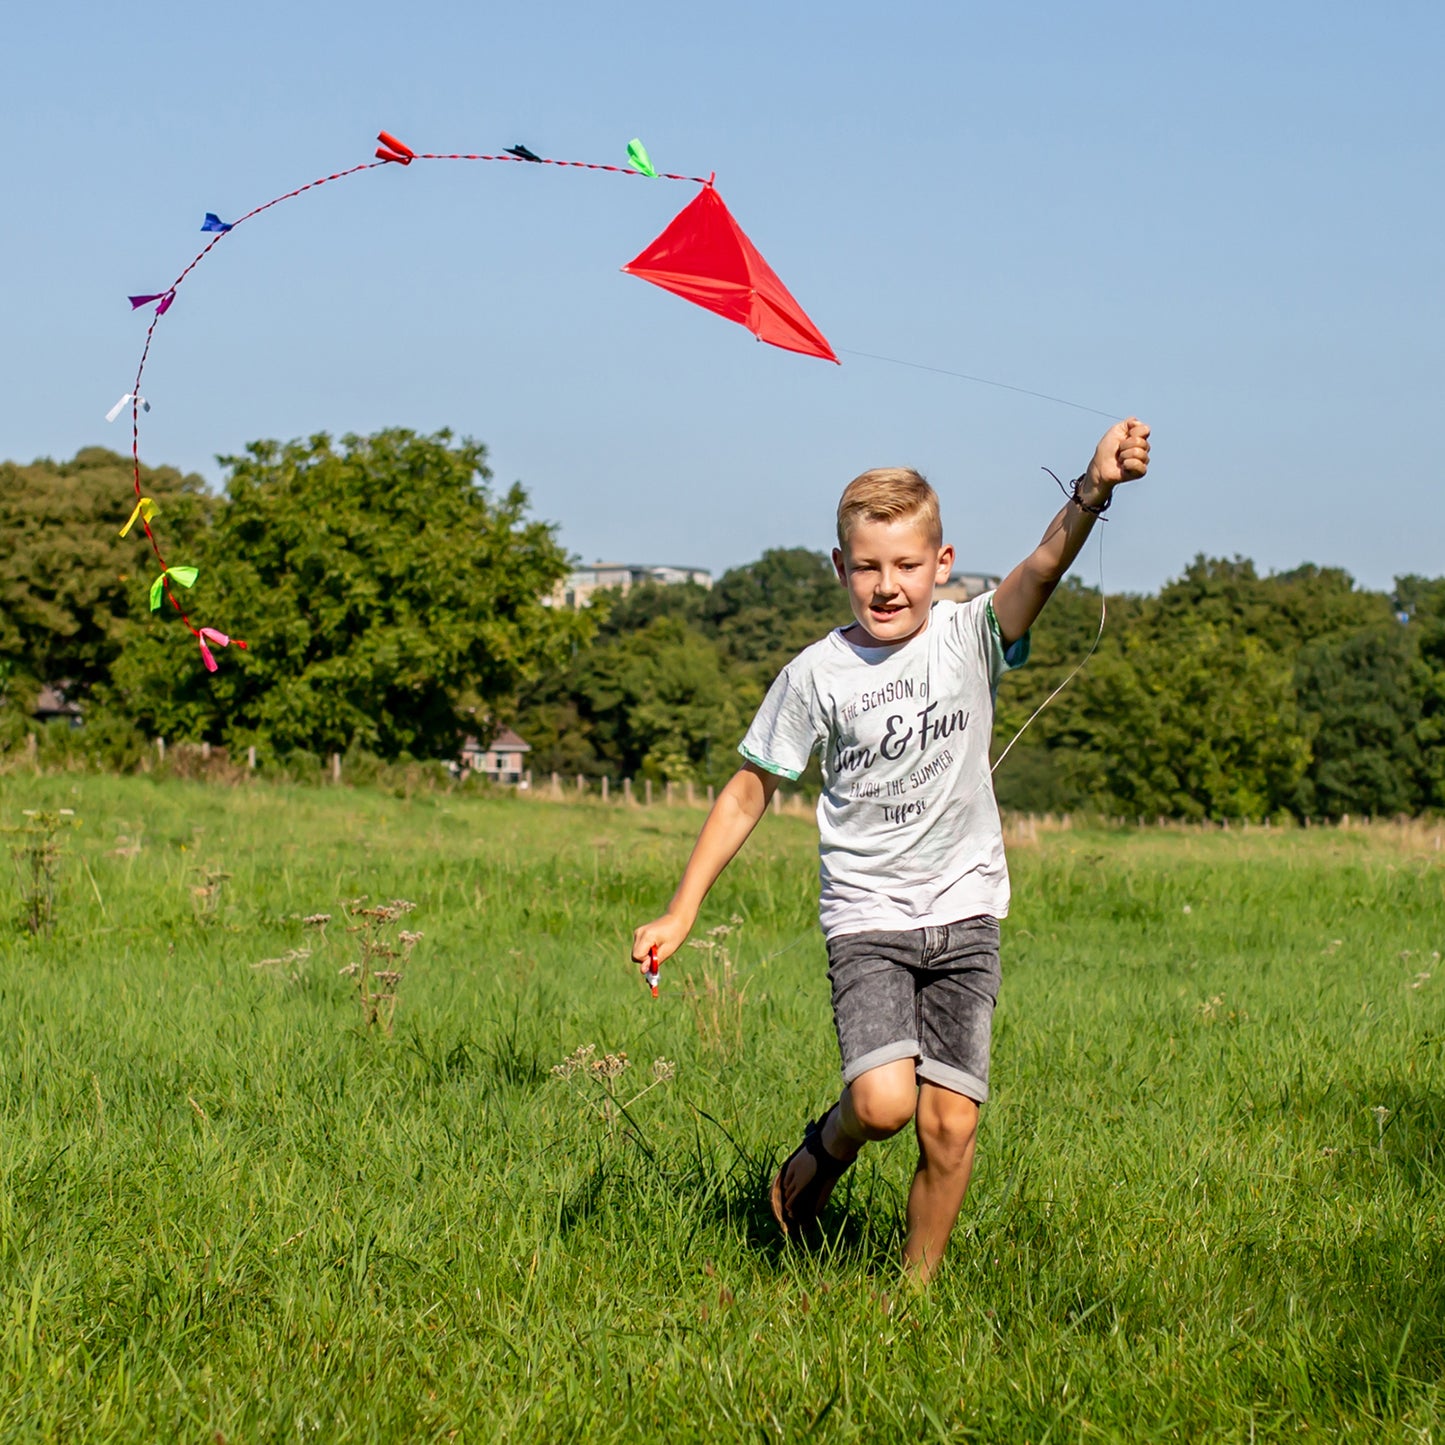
51	702
576	589
503	760
965	586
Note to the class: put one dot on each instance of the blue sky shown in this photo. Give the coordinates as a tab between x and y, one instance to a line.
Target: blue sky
1223	218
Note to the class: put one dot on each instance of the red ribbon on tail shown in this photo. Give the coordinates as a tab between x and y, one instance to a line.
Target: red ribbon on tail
392	149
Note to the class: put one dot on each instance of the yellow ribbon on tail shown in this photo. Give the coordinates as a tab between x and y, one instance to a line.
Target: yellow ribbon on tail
146	508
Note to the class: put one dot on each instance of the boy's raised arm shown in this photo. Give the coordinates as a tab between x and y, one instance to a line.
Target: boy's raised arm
739	806
1121	456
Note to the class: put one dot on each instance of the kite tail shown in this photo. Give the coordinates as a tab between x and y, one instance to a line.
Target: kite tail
390	151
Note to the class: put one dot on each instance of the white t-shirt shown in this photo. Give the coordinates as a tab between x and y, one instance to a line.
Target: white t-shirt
908	830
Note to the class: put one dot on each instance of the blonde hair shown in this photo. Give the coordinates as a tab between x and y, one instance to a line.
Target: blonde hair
890	494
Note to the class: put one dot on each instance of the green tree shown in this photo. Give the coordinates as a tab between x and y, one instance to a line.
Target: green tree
1421	600
71	588
766	612
1148	661
1202	725
1286	609
1366	696
1039	774
618	612
676	671
389	599
658	702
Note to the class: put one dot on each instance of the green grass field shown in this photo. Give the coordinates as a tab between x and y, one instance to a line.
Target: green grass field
1209	1204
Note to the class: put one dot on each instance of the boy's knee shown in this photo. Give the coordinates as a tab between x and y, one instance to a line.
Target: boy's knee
883	1105
947	1123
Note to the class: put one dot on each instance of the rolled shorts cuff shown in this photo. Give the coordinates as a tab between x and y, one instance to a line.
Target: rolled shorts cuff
887	1054
956	1081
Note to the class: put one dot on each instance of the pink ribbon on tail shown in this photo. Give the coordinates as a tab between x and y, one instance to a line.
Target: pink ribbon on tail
220	639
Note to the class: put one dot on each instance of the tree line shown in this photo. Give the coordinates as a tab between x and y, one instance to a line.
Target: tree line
391	597
395	599
1224	695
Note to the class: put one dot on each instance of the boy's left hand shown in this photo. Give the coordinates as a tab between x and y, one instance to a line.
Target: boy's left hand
1121	456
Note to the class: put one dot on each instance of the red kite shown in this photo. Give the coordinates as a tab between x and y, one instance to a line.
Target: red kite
705	257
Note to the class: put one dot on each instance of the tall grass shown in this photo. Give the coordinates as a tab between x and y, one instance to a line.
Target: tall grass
1210	1199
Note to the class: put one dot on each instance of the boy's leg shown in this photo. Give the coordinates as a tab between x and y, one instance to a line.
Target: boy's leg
876	1019
876	1105
958	988
947	1126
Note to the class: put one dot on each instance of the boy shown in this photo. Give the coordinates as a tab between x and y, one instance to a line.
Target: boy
912	865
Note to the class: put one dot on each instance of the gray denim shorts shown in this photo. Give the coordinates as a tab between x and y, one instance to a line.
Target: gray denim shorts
924	994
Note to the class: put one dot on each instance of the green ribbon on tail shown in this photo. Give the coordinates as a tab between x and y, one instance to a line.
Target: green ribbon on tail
186	576
641	161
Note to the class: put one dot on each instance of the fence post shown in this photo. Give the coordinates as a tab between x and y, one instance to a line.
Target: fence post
205	752
335	767
606	784
667	792
691	794
778	802
710	795
556	785
627	790
581	785
647	791
251	757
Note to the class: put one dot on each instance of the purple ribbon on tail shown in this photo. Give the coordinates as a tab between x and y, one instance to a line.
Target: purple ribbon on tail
164	297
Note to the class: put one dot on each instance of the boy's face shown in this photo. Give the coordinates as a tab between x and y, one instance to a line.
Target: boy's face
890	570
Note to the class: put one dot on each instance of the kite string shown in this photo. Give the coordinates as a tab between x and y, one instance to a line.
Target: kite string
276	201
979	380
546	161
1041	396
1078	667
